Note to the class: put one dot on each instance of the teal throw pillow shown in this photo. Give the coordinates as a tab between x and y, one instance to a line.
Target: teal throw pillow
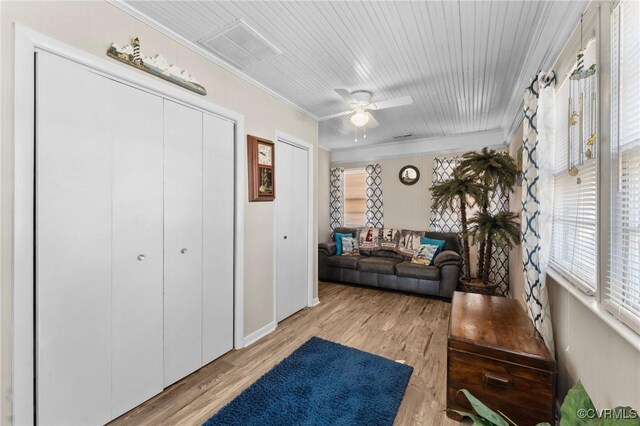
338	238
439	243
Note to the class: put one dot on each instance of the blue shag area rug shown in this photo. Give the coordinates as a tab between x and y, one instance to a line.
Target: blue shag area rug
321	383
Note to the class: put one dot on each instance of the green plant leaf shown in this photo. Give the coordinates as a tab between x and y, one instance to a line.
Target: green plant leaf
484	411
477	420
622	416
544	424
576	402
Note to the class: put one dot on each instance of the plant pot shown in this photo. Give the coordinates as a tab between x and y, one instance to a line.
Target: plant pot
477	286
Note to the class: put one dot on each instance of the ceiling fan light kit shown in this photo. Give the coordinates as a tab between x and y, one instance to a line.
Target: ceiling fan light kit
361	106
360	118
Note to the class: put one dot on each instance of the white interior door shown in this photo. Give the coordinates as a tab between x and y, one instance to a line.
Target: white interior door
183	241
292	229
217	247
73	244
137	281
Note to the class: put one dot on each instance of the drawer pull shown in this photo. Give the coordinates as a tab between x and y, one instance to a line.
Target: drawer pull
497	381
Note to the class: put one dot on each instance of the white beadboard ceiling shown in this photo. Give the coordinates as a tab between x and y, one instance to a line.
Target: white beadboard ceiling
465	63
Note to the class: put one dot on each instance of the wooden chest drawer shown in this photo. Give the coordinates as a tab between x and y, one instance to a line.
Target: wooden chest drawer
524	394
495	353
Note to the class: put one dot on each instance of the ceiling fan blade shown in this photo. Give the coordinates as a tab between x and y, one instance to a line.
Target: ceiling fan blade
391	103
372	123
329	117
346	95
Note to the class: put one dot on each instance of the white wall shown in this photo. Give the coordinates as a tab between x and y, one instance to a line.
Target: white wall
589	350
93	26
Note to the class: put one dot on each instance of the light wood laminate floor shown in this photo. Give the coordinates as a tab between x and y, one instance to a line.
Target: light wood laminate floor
393	325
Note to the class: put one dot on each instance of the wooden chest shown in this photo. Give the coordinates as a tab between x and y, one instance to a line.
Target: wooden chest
495	353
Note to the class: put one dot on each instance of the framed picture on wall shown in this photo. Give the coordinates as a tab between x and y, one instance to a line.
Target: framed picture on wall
261	156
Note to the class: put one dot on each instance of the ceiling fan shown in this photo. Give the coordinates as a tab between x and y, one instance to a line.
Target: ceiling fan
361	107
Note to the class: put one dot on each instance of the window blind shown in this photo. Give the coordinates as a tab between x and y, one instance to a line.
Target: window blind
622	288
574	241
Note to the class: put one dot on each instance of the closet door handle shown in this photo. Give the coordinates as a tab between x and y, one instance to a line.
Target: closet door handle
285	237
183	251
141	257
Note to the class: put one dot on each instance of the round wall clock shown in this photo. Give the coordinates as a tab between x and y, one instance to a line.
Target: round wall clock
409	175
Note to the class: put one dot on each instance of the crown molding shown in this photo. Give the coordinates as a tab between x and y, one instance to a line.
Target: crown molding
128	9
466	141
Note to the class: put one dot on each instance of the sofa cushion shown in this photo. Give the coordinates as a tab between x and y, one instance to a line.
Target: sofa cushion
350	246
368	238
384	253
409	242
338	239
422	272
424	254
379	265
349	262
388	239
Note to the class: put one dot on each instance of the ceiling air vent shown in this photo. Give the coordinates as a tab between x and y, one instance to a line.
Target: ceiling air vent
240	45
406	135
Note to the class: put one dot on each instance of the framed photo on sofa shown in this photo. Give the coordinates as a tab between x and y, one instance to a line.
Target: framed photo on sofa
261	156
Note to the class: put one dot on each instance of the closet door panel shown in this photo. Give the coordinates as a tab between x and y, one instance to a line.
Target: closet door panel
73	244
137	279
284	217
300	229
218	221
183	241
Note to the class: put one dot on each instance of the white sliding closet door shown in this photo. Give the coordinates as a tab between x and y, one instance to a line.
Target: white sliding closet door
292	247
73	244
218	208
183	297
137	135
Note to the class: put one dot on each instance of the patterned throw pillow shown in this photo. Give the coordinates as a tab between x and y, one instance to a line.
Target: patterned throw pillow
350	246
409	242
424	254
389	239
368	238
439	243
338	238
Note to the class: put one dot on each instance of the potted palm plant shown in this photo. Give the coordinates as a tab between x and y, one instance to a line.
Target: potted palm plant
494	171
499	230
458	190
476	178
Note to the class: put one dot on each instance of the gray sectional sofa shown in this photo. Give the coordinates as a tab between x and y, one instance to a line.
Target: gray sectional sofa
387	269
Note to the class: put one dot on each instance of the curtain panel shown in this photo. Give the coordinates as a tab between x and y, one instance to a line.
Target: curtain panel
537	199
336	198
375	213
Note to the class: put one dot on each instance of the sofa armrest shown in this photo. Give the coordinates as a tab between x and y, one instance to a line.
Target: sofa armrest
447	257
328	249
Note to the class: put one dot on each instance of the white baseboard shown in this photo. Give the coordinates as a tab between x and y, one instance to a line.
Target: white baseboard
259	334
315	302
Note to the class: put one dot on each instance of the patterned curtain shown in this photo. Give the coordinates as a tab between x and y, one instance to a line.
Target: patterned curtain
448	220
336	188
499	272
375	214
537	199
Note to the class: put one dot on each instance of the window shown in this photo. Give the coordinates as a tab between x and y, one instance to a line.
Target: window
355	197
622	287
574	236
